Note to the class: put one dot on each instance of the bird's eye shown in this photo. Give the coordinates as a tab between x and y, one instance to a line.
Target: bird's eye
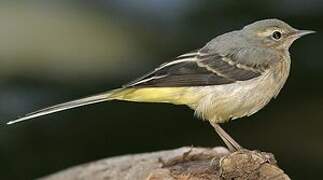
276	35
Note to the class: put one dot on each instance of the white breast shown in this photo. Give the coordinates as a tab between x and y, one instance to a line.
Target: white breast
220	103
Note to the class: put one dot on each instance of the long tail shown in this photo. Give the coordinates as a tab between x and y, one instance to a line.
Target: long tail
163	95
69	105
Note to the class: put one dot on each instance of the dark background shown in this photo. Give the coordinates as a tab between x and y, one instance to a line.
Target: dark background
54	51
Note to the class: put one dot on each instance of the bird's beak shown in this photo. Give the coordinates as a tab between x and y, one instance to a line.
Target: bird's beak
296	34
300	33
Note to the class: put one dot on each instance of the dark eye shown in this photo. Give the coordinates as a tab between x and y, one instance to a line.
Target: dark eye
276	35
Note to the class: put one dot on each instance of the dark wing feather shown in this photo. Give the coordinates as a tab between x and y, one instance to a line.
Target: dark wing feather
197	70
229	68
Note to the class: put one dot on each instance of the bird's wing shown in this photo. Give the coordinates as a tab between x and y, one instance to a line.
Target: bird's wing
192	69
197	69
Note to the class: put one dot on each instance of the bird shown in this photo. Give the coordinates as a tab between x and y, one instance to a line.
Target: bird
234	75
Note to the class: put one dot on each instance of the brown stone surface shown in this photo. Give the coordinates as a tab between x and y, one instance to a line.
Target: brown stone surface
180	164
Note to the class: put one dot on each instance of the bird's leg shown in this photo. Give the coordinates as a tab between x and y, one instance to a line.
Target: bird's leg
227	139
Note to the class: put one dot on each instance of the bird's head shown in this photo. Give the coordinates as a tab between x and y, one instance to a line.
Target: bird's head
273	33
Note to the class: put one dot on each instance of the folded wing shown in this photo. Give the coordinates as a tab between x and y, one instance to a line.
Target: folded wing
196	69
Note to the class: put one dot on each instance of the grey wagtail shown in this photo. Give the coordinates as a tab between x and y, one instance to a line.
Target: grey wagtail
234	75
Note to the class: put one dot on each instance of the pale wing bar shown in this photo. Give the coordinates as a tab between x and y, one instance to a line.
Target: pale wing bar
197	70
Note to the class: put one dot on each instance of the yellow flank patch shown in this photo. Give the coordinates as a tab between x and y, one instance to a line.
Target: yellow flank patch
174	95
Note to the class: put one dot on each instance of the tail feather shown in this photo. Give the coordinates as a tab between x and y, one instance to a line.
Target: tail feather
158	95
69	105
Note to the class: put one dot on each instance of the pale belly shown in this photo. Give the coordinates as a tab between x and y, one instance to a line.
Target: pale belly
222	103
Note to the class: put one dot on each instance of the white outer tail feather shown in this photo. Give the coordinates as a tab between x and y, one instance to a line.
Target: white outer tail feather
68	105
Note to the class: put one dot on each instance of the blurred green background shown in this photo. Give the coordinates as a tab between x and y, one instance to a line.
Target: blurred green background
54	51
